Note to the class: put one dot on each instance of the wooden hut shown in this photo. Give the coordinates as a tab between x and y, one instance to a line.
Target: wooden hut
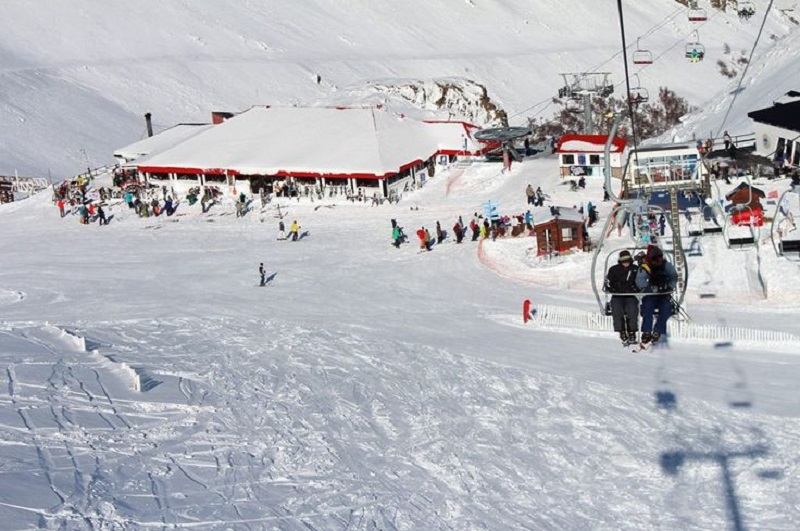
558	230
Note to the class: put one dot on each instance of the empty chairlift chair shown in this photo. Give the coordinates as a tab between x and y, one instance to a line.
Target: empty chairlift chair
642	57
696	14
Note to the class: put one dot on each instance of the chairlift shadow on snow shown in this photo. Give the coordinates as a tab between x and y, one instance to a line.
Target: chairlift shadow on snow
673	462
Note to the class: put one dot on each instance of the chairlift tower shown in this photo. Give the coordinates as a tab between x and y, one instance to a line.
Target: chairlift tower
582	86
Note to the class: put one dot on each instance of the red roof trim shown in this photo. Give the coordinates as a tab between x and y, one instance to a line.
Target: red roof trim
617	145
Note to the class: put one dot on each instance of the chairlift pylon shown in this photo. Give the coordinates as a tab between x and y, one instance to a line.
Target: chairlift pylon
695	52
641	56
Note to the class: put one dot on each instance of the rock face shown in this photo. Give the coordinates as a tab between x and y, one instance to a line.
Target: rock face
453	98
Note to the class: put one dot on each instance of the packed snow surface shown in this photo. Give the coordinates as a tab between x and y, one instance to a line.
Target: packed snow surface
148	382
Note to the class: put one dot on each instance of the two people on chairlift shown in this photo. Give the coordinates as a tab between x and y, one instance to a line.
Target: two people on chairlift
653	281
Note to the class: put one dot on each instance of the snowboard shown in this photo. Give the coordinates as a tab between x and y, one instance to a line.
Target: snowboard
526	311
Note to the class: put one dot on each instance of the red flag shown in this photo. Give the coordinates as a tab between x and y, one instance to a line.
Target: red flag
772	194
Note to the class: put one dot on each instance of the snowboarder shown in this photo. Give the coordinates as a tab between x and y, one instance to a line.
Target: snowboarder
101	216
294	230
531	193
658	278
263	273
281	230
621	283
662	224
439	233
428	240
61	207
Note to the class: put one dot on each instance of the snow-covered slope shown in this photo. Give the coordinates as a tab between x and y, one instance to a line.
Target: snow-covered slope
369	387
77	76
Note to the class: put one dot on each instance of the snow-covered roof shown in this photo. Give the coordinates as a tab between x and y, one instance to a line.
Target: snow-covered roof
310	141
161	141
589	144
543	215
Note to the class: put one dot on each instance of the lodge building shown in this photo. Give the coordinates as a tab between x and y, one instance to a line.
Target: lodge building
366	149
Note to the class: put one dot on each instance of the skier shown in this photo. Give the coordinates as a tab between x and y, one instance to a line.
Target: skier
101	216
728	141
281	230
294	230
439	233
458	231
262	272
428	240
662	224
421	235
396	236
659	278
621	283
473	225
61	207
531	193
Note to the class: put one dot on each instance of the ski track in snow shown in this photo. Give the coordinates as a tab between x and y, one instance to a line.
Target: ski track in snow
295	427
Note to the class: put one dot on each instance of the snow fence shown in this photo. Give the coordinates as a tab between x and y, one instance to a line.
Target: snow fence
573	318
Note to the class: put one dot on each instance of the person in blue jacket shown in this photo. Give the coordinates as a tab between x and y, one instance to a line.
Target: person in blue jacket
657	279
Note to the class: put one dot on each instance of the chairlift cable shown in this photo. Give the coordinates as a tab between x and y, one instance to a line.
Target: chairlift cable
650	31
746	67
627	75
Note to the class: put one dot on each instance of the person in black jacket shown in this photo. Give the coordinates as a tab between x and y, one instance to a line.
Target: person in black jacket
621	283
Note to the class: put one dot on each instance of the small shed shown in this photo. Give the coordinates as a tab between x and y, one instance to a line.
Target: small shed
558	229
585	155
746	195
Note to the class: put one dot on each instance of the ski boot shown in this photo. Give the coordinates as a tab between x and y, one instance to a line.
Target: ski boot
623	336
632	339
647	338
654	337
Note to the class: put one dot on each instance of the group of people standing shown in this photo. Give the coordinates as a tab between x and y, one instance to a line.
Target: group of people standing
478	227
644	287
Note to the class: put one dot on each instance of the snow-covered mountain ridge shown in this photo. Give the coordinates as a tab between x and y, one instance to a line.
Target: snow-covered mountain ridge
76	77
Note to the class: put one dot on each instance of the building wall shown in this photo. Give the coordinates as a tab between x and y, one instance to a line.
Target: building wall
768	138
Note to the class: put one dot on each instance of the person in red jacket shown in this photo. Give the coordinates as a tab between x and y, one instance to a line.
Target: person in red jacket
421	235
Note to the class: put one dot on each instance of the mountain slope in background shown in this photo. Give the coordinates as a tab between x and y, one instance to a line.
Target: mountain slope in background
76	77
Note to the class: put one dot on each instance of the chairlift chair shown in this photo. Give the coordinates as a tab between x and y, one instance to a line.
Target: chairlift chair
696	14
786	246
637	93
745	10
574	107
695	51
634	244
642	57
